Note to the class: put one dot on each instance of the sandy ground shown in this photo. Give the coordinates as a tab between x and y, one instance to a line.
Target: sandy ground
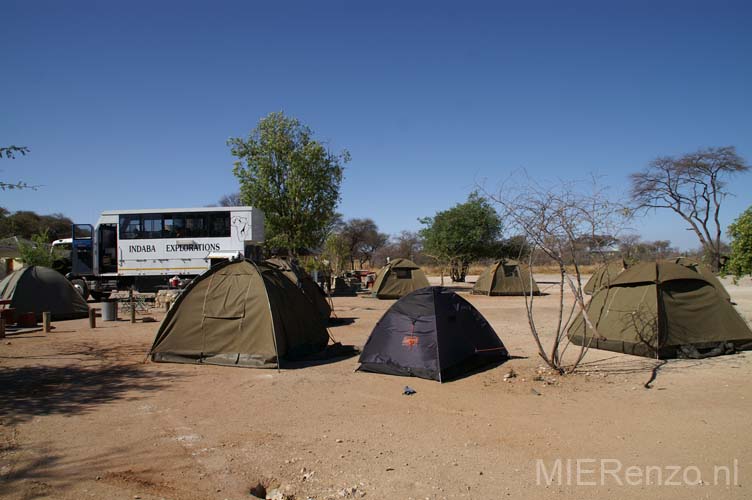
84	416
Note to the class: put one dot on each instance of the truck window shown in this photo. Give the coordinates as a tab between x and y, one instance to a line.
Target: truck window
130	227
152	226
195	226
219	225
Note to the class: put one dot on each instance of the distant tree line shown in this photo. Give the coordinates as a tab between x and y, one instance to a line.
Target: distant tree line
25	224
295	179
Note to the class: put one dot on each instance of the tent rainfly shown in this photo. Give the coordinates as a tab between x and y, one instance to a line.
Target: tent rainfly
398	278
604	275
431	333
705	272
37	289
664	310
303	280
240	314
505	277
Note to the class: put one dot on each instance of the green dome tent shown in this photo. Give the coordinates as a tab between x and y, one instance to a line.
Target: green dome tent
37	289
705	272
303	280
398	278
661	309
240	314
505	277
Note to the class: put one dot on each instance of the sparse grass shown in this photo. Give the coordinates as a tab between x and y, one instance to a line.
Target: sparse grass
554	269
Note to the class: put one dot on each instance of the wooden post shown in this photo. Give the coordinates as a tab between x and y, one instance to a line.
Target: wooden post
46	321
166	305
133	305
2	328
92	318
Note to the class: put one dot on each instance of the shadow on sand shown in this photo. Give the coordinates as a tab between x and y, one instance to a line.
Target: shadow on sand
32	391
334	322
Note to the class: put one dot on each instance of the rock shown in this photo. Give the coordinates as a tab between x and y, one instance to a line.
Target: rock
510	375
534	392
348	492
276	494
338	441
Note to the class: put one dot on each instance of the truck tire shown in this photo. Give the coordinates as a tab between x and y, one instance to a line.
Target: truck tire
98	296
81	286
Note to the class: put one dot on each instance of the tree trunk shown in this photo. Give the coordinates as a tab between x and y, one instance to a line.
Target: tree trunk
458	271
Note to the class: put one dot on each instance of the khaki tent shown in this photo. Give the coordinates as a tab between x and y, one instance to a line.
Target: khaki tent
398	278
604	276
505	277
38	289
661	309
240	314
705	272
303	280
342	288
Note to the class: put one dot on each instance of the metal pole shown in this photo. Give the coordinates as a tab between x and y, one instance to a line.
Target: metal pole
133	305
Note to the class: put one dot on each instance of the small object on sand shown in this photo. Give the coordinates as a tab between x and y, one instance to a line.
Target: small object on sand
534	392
408	391
510	375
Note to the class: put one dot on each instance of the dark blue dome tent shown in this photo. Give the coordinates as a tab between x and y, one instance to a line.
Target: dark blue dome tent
431	333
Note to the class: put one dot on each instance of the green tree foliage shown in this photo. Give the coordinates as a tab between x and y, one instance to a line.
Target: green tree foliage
25	224
464	233
740	262
293	178
336	252
38	252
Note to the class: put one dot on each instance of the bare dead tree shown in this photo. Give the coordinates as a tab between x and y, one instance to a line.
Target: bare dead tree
692	186
554	220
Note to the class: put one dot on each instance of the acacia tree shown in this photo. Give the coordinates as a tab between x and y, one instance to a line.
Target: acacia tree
555	220
740	231
692	186
293	178
362	238
464	233
10	153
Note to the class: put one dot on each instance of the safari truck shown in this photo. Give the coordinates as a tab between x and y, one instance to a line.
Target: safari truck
147	249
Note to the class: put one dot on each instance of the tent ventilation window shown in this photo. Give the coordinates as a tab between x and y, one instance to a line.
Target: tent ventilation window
510	272
402	274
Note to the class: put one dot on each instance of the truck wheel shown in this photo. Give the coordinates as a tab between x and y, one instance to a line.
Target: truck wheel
98	296
80	285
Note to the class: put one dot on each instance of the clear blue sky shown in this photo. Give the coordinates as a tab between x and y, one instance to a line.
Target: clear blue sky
129	104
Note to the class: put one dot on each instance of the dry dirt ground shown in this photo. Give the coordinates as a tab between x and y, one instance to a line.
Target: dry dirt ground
84	416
